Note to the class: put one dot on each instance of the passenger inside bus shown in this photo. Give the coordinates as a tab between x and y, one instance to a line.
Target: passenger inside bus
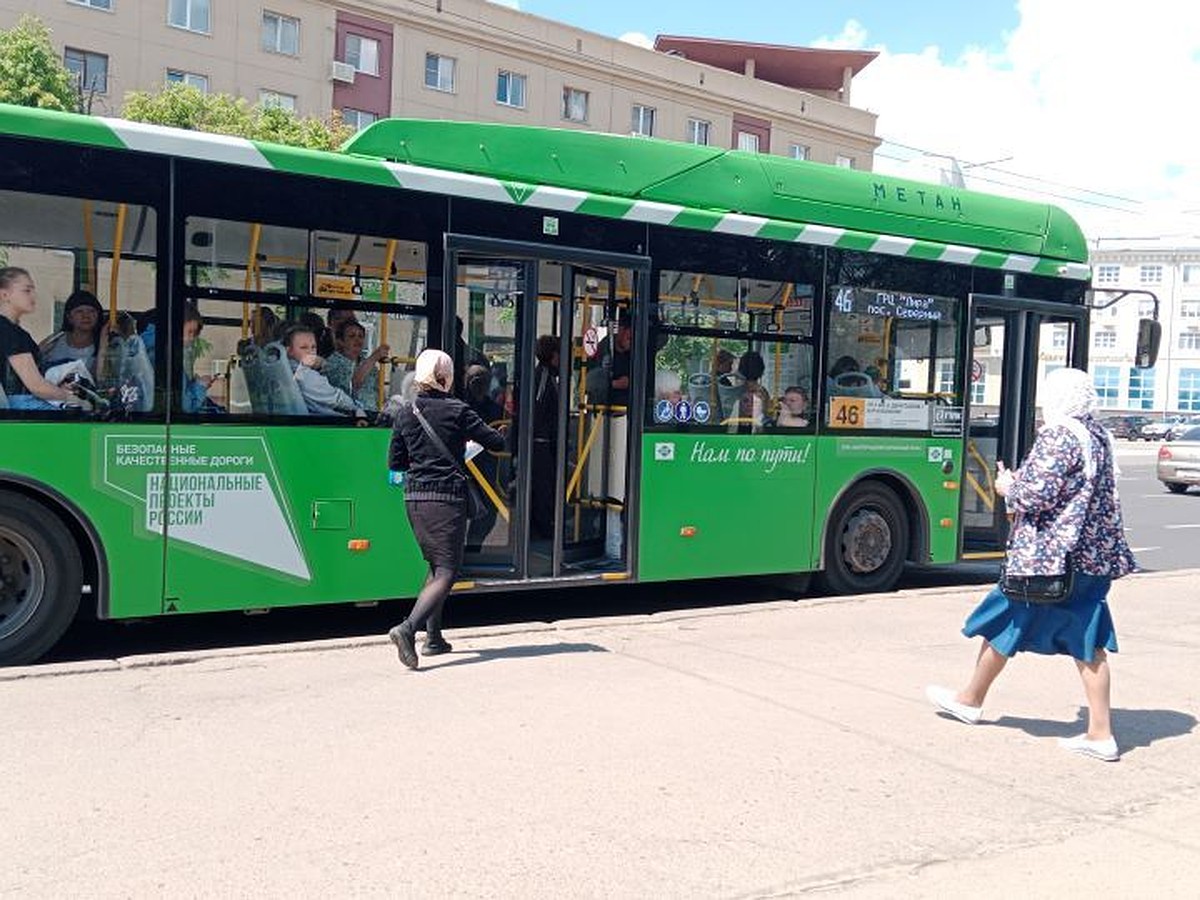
479	398
793	408
83	334
20	359
321	397
195	397
846	379
327	335
545	436
751	401
350	368
265	325
608	382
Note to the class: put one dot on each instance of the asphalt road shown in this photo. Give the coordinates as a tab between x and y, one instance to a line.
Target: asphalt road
1162	528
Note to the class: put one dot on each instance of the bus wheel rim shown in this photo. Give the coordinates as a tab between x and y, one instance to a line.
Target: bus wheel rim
22	581
866	542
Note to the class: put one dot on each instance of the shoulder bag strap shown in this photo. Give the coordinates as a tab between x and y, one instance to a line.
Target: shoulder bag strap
437	441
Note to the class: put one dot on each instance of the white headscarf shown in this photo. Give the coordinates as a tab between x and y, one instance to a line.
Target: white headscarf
1067	396
434	371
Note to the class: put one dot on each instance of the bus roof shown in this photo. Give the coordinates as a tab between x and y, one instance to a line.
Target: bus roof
664	182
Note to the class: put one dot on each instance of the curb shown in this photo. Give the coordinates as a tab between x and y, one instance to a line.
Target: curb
189	657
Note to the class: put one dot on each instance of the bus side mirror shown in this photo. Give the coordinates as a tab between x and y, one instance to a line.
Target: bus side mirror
983	335
1148	339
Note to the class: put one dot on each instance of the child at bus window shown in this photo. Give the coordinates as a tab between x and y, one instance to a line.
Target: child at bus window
20	358
352	369
793	408
321	397
82	336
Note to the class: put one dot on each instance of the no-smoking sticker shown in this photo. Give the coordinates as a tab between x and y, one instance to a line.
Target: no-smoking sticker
591	342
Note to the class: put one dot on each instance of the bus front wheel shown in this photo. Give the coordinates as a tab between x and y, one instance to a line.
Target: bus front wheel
41	577
867	542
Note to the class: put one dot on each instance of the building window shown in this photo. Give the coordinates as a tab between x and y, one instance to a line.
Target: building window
1145	308
1107	381
799	151
1189	389
1189	340
697	131
844	162
642	121
94	4
1150	274
90	69
1104	340
946	376
192	15
1189	309
280	34
358	119
276	99
978	389
575	105
199	82
1141	388
748	141
1108	274
363	54
510	89
1191	274
1058	338
439	72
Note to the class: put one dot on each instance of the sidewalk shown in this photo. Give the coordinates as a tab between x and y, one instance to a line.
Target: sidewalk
772	751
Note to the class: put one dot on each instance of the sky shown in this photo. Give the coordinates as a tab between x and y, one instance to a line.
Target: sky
1083	103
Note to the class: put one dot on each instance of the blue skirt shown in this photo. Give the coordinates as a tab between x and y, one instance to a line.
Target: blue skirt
1075	628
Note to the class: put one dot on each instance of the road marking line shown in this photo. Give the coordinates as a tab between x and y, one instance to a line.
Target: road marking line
1144	549
1197	525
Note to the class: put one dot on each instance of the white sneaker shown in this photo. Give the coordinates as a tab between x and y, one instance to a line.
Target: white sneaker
943	699
1105	750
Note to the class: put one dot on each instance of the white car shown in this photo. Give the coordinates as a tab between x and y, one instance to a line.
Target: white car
1175	432
1160	431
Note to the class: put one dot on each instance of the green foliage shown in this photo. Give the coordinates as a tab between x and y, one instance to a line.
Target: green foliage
31	73
183	106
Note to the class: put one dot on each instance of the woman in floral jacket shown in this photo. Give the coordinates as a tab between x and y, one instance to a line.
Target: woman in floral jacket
1064	502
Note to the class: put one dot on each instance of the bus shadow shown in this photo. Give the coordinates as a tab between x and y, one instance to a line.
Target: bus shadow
521	651
1133	727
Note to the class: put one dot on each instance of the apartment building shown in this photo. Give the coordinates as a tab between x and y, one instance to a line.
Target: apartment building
1170	269
469	60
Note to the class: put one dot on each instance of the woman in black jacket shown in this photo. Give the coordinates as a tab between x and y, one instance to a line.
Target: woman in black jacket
435	492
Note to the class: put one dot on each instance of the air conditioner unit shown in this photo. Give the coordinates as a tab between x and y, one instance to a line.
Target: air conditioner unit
341	71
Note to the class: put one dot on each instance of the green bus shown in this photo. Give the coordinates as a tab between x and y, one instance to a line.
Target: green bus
766	365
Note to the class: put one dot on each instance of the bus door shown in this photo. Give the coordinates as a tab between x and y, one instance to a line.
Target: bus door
1013	344
559	493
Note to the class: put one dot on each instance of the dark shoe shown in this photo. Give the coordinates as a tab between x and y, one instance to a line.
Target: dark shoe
435	646
402	637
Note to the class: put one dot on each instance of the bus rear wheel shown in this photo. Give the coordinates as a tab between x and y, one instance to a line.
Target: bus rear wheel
867	542
41	577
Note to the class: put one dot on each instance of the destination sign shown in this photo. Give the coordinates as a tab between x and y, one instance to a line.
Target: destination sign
893	304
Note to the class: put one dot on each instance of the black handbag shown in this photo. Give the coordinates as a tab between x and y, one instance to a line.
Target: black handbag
1042	589
477	507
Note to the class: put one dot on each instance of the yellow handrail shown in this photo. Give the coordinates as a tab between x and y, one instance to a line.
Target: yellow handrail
486	487
114	275
251	265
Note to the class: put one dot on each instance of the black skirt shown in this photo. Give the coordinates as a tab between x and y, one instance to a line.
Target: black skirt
440	527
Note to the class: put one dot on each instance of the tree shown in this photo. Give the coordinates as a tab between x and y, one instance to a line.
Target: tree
183	106
31	73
